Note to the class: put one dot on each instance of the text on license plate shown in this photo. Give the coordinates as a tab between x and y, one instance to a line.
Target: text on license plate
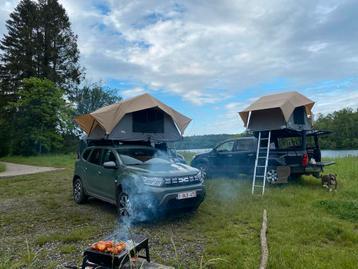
186	195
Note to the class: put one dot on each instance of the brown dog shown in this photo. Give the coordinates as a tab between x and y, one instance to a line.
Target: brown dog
329	181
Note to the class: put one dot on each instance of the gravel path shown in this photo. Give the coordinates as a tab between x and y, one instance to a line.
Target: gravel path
14	169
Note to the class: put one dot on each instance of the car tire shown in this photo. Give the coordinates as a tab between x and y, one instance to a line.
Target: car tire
271	175
123	205
204	168
79	194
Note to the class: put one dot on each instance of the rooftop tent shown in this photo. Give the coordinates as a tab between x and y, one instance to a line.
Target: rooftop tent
140	118
289	110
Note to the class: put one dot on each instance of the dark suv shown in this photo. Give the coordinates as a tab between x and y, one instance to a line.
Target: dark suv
136	178
298	150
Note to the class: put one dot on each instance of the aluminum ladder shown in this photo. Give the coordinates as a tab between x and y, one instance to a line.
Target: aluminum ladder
261	162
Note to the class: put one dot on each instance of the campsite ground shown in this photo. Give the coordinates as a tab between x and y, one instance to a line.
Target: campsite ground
2	167
41	226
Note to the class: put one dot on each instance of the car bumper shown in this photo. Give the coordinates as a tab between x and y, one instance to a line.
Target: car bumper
167	198
308	170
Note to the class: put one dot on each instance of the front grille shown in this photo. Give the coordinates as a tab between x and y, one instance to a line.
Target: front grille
184	180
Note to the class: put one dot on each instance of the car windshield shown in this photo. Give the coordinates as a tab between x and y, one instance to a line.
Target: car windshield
137	156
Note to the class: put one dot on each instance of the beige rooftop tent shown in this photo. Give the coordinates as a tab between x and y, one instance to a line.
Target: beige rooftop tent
289	110
140	118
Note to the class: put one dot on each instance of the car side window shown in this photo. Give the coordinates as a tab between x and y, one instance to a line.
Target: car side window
108	156
95	157
86	154
244	145
226	147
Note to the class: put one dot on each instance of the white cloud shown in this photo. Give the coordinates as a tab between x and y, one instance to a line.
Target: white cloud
234	42
132	92
228	45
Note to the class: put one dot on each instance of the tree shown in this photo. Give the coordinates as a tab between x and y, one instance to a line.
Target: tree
39	43
41	112
58	55
343	124
18	50
91	97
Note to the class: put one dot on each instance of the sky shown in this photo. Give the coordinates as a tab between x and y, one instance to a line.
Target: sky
211	59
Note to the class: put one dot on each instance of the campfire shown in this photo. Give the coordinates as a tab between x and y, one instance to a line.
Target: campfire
115	253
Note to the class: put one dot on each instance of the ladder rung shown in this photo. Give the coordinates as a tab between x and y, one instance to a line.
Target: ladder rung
259	176
261	186
264	138
262	157
263	147
260	166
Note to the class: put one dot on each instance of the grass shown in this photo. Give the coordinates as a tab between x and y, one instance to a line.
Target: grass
53	160
2	167
308	227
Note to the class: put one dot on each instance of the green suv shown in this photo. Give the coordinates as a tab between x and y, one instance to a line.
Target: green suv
138	179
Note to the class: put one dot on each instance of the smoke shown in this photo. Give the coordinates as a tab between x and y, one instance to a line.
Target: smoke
143	206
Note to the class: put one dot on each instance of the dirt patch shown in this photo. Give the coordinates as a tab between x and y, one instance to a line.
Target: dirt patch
13	169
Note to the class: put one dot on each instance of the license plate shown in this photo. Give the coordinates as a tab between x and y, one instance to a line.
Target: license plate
186	195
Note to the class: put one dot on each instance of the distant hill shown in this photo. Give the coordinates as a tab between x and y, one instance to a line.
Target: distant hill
203	141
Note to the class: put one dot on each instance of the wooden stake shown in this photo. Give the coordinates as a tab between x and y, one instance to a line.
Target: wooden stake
264	248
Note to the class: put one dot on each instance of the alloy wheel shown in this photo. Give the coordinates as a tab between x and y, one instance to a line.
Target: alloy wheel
124	205
271	176
77	190
204	170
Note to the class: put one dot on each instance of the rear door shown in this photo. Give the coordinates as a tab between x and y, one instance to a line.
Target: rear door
223	158
244	156
94	171
108	176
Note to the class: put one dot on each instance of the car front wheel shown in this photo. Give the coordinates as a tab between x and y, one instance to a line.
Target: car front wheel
204	168
123	205
78	191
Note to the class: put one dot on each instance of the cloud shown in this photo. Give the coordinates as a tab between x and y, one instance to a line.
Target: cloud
188	48
132	92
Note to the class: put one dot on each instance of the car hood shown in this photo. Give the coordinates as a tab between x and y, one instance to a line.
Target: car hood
202	155
163	169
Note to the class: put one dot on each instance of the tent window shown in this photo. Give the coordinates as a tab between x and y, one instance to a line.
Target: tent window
148	121
299	115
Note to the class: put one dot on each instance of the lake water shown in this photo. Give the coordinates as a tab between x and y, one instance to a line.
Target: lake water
325	153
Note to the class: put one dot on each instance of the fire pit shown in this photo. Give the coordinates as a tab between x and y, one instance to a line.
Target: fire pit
134	247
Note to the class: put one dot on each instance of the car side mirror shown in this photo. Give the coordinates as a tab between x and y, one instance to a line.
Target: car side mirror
110	165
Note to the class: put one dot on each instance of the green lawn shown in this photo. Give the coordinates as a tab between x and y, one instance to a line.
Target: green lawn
2	167
55	160
309	227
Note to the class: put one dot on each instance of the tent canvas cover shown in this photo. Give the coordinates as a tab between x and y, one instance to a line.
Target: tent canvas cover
289	110
140	118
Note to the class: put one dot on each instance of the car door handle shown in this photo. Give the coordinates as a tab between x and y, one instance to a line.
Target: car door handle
229	155
250	154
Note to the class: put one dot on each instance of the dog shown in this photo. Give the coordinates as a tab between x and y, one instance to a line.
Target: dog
329	181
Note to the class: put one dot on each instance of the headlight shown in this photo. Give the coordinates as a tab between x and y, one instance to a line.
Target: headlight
200	176
153	181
